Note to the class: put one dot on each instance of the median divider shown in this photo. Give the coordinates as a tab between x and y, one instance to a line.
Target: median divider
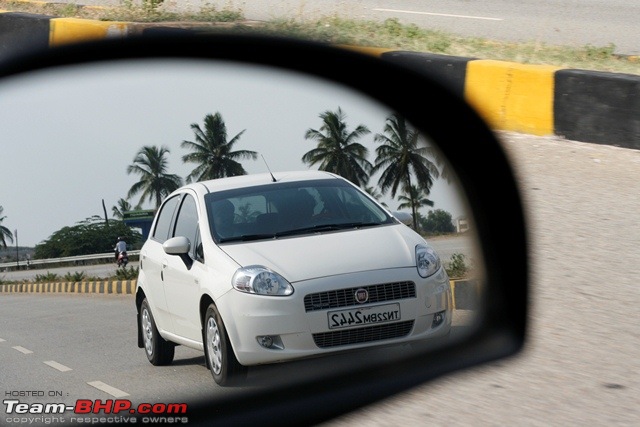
94	287
466	292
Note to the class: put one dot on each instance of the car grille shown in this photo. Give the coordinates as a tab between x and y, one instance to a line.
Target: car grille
346	297
363	335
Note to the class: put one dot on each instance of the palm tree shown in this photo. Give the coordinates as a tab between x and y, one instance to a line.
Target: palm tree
122	207
337	149
375	193
213	153
402	159
5	233
414	198
155	183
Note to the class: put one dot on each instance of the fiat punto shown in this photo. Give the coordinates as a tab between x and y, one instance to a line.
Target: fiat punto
269	268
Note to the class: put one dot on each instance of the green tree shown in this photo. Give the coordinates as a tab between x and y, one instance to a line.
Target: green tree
213	153
5	233
438	222
90	236
338	150
403	159
155	183
414	198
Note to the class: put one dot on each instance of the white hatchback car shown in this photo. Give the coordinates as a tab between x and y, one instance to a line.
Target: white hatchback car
258	269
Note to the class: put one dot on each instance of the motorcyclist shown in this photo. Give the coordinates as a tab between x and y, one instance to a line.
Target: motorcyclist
121	246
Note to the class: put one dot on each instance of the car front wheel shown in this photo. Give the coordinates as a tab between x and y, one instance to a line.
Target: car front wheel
221	360
159	351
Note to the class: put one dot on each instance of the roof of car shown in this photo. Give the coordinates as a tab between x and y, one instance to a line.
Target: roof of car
260	179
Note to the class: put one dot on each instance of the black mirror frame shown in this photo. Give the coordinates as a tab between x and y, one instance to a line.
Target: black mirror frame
472	149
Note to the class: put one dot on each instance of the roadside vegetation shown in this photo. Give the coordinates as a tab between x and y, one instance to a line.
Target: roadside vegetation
332	29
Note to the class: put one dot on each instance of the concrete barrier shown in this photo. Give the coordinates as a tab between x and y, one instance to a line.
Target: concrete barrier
93	287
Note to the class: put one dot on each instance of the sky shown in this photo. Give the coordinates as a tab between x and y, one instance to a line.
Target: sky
68	135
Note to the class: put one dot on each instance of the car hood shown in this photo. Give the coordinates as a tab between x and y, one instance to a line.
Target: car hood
327	254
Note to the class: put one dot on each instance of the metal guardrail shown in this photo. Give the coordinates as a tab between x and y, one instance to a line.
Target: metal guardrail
79	258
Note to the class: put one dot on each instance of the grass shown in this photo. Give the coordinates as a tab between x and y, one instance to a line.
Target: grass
332	29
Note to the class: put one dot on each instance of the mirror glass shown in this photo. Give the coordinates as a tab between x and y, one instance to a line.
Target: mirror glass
71	137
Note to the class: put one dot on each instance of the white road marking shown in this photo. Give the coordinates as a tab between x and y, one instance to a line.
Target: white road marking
108	389
1	340
22	349
439	14
58	366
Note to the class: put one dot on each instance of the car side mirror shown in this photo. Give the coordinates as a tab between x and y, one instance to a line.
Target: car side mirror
143	90
179	246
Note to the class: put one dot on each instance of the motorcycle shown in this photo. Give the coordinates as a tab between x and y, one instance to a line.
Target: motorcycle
123	259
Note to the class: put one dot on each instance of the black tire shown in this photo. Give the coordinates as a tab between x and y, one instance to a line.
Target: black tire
159	351
219	355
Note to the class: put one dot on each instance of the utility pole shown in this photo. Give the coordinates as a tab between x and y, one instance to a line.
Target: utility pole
15	233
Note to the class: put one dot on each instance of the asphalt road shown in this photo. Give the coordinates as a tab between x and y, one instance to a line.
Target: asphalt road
570	22
67	347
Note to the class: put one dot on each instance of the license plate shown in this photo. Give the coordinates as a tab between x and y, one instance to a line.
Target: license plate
364	316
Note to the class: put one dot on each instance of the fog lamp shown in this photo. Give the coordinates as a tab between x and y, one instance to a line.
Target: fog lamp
438	318
272	342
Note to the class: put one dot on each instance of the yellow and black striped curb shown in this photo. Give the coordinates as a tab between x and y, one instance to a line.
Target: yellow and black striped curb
541	100
466	293
94	287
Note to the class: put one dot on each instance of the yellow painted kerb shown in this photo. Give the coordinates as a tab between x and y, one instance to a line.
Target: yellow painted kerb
512	96
73	30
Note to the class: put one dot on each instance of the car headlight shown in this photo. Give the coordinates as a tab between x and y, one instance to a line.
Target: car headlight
427	260
256	279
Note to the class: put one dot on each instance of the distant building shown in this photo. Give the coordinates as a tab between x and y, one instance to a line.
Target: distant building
141	219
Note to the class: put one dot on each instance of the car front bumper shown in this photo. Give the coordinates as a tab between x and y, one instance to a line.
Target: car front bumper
401	308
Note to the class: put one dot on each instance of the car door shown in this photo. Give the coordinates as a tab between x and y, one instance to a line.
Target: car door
152	257
182	282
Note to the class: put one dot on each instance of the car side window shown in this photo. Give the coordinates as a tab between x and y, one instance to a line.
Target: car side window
187	222
165	217
197	252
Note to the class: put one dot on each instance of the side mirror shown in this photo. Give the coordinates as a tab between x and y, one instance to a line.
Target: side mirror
145	90
179	246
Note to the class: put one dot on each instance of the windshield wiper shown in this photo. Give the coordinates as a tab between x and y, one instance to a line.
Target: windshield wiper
314	229
247	237
326	227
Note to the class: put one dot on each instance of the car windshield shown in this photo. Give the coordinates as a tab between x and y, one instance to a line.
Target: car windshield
289	209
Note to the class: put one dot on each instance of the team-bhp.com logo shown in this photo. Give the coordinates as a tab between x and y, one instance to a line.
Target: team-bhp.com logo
86	410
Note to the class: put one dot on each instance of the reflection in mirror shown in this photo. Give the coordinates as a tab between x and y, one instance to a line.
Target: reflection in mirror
90	143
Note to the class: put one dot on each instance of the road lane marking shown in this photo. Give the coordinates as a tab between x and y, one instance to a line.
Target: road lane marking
108	389
1	340
22	349
58	366
446	15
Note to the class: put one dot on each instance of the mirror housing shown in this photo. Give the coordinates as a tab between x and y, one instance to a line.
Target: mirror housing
501	328
179	246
